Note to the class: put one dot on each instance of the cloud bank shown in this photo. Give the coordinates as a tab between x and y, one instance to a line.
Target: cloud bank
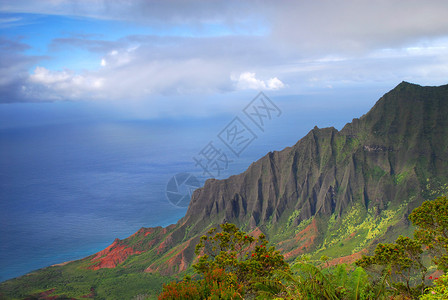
217	47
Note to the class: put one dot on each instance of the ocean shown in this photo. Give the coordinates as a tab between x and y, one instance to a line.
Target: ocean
72	179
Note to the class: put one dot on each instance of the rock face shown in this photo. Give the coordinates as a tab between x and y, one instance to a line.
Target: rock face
348	189
112	256
328	170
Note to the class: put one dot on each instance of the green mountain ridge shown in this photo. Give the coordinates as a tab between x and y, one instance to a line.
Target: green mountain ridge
376	165
337	193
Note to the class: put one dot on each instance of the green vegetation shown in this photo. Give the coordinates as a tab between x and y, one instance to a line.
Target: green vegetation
240	266
230	264
438	291
357	228
73	281
399	265
431	219
235	265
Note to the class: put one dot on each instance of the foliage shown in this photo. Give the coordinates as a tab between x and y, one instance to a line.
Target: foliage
237	253
215	285
438	291
351	285
234	265
324	259
72	281
431	218
399	263
358	227
309	282
230	263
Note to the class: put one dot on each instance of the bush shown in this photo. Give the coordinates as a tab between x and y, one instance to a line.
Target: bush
230	264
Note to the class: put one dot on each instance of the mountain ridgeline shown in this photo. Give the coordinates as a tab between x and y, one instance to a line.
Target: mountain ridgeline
334	193
353	185
383	159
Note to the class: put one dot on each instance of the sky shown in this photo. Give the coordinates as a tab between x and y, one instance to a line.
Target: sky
200	56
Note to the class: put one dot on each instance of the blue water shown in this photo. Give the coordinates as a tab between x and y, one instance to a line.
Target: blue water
73	179
72	188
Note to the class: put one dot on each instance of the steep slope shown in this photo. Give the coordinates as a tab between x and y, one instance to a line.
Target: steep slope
333	187
336	193
403	138
356	183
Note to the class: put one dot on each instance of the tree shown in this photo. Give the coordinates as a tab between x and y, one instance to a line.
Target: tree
238	253
396	264
431	219
325	260
399	262
231	263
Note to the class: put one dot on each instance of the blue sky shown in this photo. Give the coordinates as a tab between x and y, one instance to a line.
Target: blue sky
199	56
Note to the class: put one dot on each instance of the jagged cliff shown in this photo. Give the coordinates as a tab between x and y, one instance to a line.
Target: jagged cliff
403	138
334	192
353	185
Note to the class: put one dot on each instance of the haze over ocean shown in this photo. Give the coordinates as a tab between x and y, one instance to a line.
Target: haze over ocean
72	178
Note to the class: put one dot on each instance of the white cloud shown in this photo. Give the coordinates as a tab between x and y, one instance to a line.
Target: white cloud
247	80
119	57
62	85
274	84
47	77
306	44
